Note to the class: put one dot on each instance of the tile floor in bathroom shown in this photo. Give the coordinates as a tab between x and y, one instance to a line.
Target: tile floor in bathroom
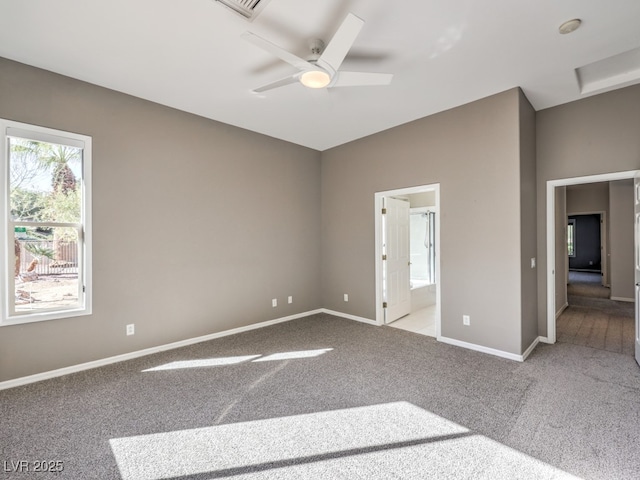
421	321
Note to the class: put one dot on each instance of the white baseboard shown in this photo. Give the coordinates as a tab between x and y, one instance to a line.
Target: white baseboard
622	299
147	351
190	341
545	340
452	341
480	348
528	351
562	309
350	317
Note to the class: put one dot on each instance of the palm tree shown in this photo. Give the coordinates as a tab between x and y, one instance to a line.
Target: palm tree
64	203
29	198
63	180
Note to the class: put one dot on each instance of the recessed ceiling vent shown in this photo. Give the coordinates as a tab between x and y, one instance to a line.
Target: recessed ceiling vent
249	9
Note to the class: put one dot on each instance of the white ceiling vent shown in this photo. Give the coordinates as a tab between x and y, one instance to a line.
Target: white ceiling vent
249	9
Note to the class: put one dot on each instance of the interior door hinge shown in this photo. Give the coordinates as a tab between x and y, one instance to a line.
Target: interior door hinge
384	304
384	211
384	257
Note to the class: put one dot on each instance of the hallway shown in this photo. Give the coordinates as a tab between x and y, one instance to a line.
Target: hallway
602	324
593	320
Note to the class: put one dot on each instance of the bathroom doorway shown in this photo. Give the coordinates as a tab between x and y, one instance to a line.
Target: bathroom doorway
422	285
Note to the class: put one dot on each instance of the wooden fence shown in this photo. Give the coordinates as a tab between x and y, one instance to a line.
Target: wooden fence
64	259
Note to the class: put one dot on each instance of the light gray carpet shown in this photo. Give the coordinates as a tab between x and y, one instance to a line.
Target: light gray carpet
323	397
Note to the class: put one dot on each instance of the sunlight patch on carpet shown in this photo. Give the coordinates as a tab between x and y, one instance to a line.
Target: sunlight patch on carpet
377	441
203	362
224	361
293	355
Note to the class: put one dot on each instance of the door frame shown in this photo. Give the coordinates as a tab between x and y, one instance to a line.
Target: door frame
378	200
604	246
551	237
636	263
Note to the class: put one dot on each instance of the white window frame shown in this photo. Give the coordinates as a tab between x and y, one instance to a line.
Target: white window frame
7	253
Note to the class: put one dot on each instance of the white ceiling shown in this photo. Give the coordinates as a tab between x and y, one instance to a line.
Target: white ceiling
189	55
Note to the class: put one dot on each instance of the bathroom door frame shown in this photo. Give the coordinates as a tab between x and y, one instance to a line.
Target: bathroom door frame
379	267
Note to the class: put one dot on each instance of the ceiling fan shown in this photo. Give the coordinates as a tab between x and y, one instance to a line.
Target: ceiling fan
321	70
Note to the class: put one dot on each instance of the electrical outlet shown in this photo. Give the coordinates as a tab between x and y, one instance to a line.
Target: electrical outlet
290	299
466	320
274	302
346	297
131	329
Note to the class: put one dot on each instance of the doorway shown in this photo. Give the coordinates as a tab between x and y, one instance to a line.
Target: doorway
587	252
584	242
421	207
557	259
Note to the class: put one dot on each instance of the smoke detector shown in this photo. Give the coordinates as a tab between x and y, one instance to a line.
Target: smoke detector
569	26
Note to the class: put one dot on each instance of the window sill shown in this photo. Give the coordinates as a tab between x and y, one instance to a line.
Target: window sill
44	316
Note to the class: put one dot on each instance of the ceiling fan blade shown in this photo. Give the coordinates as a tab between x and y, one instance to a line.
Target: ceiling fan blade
278	83
361	79
279	52
342	41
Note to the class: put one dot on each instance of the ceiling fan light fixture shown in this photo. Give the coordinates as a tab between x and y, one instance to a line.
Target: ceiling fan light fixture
315	79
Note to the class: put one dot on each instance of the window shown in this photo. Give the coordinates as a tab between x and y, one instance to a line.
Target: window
571	237
45	234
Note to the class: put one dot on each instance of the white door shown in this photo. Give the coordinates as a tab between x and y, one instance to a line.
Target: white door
636	190
396	263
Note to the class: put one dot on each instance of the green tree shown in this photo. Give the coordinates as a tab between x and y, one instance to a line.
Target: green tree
31	200
27	204
63	204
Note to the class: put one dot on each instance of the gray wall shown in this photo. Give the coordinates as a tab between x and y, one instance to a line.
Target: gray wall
588	198
528	227
562	263
197	225
622	261
592	136
474	153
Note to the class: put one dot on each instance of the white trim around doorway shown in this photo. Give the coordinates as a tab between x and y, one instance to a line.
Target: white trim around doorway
551	235
378	201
